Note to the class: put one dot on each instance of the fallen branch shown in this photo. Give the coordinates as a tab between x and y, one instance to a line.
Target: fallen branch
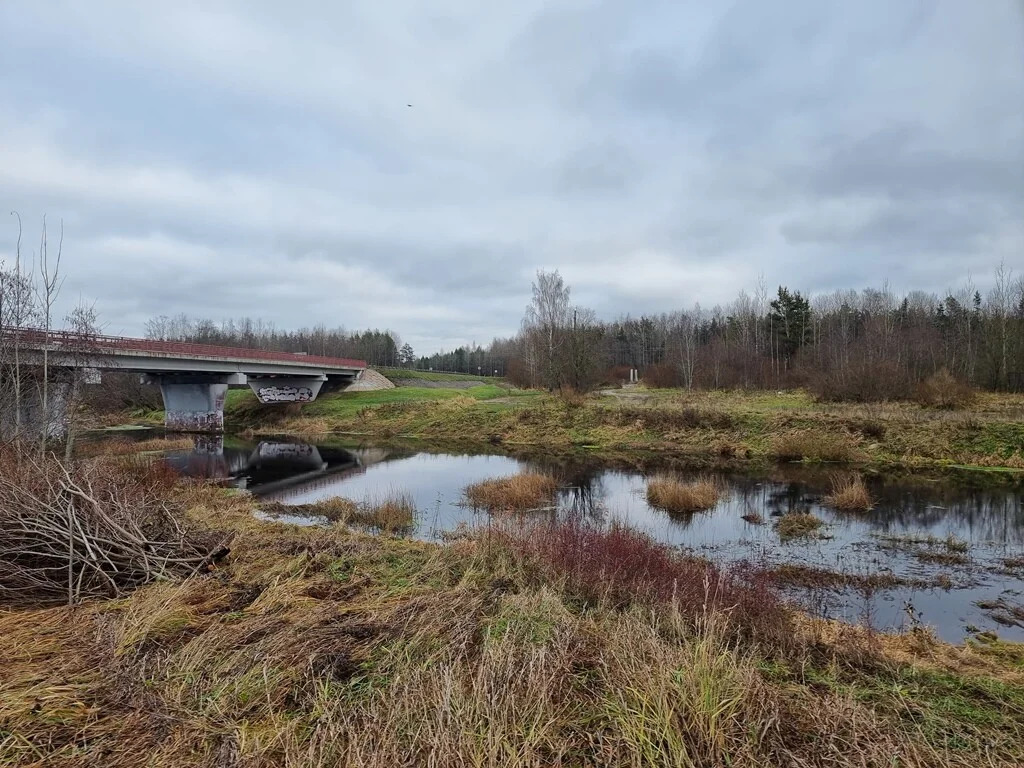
67	534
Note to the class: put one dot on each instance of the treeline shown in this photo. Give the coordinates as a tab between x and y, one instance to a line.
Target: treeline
375	346
487	361
860	345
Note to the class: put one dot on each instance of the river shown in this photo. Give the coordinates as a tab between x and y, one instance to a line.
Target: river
913	518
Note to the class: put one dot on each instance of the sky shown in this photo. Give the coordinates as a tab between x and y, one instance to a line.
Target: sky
411	165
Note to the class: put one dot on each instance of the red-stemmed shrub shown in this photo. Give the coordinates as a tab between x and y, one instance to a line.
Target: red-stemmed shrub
619	566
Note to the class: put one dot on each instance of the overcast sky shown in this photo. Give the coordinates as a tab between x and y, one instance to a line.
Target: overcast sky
259	158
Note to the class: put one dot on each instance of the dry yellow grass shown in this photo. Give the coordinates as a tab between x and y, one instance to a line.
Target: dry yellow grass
797	524
816	445
124	446
674	495
849	494
394	513
518	493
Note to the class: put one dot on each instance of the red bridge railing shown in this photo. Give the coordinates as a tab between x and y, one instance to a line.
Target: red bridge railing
62	340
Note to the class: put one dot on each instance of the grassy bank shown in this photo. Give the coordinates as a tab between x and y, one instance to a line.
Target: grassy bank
555	644
439	376
737	426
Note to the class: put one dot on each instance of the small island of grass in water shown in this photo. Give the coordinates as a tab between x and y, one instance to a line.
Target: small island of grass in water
519	493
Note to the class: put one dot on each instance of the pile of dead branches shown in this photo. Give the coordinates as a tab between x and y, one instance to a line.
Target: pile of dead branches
91	530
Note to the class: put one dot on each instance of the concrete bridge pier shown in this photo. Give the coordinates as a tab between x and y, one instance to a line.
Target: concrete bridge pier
31	419
194	403
286	389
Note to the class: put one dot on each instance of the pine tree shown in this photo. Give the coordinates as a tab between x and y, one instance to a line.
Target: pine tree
790	320
406	356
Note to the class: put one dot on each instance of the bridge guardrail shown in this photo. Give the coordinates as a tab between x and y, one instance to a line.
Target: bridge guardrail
100	343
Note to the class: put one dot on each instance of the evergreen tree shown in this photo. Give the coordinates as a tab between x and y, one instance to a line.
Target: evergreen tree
790	320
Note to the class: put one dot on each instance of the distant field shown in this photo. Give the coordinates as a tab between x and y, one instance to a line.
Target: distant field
407	373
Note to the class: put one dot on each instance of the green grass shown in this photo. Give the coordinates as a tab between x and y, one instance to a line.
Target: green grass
408	373
348	404
953	712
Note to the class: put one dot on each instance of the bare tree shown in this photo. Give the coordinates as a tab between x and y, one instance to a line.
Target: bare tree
47	291
1001	304
17	313
81	353
547	318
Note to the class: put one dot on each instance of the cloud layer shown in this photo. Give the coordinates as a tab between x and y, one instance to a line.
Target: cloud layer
260	158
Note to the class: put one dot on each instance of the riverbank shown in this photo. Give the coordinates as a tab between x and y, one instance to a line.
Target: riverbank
557	644
740	427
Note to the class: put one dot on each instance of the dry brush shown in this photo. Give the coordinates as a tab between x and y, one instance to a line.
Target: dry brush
96	529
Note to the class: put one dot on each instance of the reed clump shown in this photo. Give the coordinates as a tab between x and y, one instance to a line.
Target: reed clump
394	513
797	525
681	497
850	494
518	493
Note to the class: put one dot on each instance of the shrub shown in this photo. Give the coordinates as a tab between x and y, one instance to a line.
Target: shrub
865	382
869	428
616	376
667	418
943	390
849	494
620	566
517	493
675	496
661	376
571	398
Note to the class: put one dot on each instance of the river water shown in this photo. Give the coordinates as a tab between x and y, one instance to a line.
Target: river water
988	517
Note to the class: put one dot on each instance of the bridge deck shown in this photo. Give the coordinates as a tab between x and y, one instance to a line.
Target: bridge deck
120	349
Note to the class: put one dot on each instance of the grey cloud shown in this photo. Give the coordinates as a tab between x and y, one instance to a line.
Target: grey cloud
928	228
261	159
893	162
606	168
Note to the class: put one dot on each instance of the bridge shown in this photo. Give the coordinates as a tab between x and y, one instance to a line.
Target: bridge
193	378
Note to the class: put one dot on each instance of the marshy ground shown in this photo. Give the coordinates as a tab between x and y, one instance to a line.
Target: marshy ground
710	426
550	643
607	629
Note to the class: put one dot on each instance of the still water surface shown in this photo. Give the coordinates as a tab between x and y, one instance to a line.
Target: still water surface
989	518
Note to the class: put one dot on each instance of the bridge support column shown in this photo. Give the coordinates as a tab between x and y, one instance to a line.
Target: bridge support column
31	419
286	389
194	403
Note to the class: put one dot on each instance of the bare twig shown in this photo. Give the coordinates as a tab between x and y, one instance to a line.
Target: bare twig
71	534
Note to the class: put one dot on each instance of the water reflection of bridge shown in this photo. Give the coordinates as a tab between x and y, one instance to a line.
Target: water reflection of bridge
270	467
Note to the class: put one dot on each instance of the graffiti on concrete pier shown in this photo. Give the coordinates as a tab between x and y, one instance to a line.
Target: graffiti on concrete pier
284	394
